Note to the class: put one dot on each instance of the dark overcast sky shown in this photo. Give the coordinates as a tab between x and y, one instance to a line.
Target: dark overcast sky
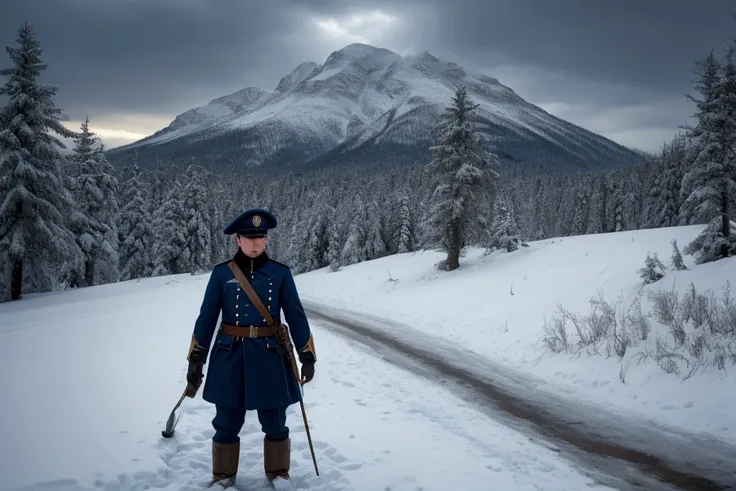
619	68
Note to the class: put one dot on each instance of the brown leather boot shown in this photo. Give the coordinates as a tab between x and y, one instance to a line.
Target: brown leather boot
225	458
276	458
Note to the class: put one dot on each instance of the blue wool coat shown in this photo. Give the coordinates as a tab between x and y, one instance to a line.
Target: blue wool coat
250	373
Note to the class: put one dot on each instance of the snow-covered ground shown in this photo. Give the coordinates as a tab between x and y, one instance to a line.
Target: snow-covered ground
90	376
497	305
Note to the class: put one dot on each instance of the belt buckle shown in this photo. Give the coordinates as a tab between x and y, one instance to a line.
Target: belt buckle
253	332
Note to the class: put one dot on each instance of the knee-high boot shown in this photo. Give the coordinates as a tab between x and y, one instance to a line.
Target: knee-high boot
277	458
225	458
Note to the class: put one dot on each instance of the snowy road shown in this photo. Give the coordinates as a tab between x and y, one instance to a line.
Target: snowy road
620	452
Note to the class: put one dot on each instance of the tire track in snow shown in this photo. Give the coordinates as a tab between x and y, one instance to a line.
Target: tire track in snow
619	452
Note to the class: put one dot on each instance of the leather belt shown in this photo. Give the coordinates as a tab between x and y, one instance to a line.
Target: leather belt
246	331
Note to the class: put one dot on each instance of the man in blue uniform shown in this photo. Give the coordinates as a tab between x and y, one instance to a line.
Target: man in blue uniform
248	368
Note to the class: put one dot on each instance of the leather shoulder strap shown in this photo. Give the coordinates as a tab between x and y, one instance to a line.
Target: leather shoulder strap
245	284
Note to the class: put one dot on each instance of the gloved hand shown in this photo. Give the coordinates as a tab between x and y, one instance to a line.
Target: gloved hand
194	378
307	372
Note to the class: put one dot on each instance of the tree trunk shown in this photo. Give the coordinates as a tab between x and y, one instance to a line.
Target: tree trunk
453	255
17	281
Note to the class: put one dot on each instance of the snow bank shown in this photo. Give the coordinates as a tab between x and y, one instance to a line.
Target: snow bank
497	306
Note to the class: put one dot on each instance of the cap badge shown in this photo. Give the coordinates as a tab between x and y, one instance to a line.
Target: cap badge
257	221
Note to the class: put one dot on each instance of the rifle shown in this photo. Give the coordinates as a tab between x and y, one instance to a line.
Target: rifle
282	334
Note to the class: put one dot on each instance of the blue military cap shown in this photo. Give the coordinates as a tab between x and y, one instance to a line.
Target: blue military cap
252	223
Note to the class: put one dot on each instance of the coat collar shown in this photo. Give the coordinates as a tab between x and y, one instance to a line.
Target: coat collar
246	264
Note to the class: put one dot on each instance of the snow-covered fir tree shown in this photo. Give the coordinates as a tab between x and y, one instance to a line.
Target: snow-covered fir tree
315	238
354	250
335	244
38	252
579	223
375	246
169	224
709	187
504	232
662	202
653	270
464	173
94	220
220	244
134	226
677	262
615	221
195	255
405	231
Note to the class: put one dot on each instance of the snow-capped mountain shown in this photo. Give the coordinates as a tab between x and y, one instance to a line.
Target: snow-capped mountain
368	104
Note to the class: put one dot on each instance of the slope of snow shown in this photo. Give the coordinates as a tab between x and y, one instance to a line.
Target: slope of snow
497	305
90	376
203	117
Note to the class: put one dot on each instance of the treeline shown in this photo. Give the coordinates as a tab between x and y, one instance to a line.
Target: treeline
72	220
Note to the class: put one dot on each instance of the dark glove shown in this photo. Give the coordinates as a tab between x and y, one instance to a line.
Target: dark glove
194	378
307	372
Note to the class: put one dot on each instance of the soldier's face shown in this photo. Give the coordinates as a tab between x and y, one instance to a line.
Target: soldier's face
252	246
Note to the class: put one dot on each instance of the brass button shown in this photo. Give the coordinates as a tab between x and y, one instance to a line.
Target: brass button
236	306
236	315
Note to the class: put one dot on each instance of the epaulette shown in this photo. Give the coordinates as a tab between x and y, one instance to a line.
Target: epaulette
279	263
222	263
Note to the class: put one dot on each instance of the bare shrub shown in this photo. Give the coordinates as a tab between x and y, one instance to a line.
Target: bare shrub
701	331
555	334
601	321
665	311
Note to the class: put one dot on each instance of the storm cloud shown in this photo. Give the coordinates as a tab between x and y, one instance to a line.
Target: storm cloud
621	68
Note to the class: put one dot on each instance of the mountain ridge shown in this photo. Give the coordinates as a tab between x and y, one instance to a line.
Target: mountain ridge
368	96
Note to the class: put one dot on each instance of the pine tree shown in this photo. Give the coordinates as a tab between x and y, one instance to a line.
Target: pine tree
662	202
653	270
463	172
315	239
354	250
597	205
134	227
216	211
94	221
196	249
405	235
169	224
35	241
335	244
615	217
710	185
375	247
504	233
677	262
581	207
